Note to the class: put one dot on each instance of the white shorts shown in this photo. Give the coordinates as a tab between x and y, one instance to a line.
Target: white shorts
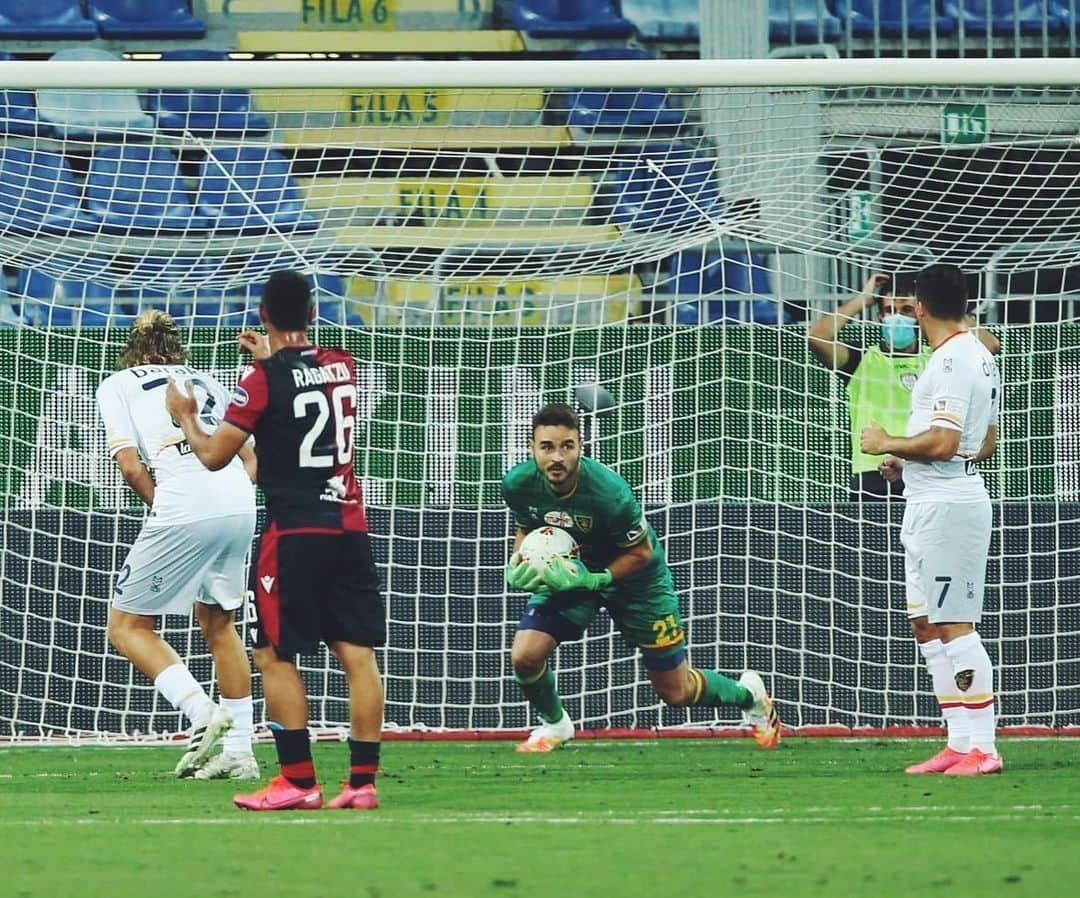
171	566
945	550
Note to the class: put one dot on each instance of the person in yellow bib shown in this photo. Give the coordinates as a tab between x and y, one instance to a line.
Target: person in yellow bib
879	378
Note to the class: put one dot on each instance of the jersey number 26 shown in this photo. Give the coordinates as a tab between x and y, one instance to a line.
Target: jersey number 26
341	406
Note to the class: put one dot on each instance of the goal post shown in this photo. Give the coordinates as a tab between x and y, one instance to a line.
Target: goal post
489	236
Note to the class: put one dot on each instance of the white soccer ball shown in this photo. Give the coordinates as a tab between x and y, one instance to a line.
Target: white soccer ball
544	544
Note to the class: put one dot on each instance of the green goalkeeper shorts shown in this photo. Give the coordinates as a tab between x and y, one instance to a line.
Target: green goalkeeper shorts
648	618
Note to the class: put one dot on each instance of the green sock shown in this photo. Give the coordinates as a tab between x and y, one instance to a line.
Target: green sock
540	691
716	689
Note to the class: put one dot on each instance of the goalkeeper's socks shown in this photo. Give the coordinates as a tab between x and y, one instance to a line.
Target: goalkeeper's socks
542	695
181	690
713	688
294	755
940	668
363	763
238	740
973	673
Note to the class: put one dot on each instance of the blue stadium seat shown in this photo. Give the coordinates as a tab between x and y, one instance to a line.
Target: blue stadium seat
797	20
1003	15
664	20
45	20
683	191
85	113
133	187
124	19
218	308
232	174
921	17
205	112
39	194
18	111
622	110
720	287
51	303
570	18
331	300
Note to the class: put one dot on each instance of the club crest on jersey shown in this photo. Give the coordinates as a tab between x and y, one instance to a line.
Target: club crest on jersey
907	381
584	522
946	366
964	679
558	519
239	396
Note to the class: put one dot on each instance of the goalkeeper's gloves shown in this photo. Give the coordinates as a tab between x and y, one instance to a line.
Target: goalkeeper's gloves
522	575
564	574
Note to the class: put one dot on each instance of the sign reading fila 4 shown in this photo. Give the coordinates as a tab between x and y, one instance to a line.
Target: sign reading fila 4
544	544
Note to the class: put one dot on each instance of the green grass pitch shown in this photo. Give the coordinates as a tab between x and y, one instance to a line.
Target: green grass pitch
625	819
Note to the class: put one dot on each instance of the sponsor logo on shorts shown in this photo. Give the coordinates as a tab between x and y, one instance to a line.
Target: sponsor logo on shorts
156	583
964	679
267	583
240	396
558	519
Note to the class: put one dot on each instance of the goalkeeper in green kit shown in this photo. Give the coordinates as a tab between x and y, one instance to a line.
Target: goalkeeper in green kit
622	568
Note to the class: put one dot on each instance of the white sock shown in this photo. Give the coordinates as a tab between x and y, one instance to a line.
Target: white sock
238	740
974	677
957	723
182	692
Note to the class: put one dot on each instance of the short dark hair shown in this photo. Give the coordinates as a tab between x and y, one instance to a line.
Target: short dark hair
943	290
900	284
556	414
286	297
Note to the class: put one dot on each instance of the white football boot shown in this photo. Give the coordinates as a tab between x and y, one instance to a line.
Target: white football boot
549	736
229	766
761	716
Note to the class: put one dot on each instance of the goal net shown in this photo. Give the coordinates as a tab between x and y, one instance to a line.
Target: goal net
483	249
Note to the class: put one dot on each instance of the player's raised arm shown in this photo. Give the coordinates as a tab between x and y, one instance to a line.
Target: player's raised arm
215	450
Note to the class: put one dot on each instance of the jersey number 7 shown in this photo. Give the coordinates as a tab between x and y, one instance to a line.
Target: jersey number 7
342	407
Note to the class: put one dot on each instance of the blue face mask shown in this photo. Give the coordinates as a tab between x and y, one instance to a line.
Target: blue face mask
898	331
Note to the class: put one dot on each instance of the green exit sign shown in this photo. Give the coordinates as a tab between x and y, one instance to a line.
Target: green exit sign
964	123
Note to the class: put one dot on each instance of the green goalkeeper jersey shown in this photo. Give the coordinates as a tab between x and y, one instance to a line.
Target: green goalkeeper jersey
602	514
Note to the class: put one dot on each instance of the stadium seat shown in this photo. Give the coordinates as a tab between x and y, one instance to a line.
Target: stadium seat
331	300
621	110
86	113
682	193
922	17
45	20
570	18
39	194
232	174
798	21
1003	17
52	303
664	20
18	111
204	112
159	19
135	187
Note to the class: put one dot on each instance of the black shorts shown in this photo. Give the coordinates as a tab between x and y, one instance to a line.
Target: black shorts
313	587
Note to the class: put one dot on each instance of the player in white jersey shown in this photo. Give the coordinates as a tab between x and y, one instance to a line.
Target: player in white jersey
191	550
947	518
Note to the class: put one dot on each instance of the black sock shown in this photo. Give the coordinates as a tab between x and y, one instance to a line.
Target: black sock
294	755
363	762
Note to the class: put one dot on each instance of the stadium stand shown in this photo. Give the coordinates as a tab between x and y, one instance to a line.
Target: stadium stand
47	302
132	187
674	192
140	19
1006	16
635	114
799	21
18	110
39	193
45	20
411	43
892	18
250	189
84	114
205	113
570	19
663	20
334	15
